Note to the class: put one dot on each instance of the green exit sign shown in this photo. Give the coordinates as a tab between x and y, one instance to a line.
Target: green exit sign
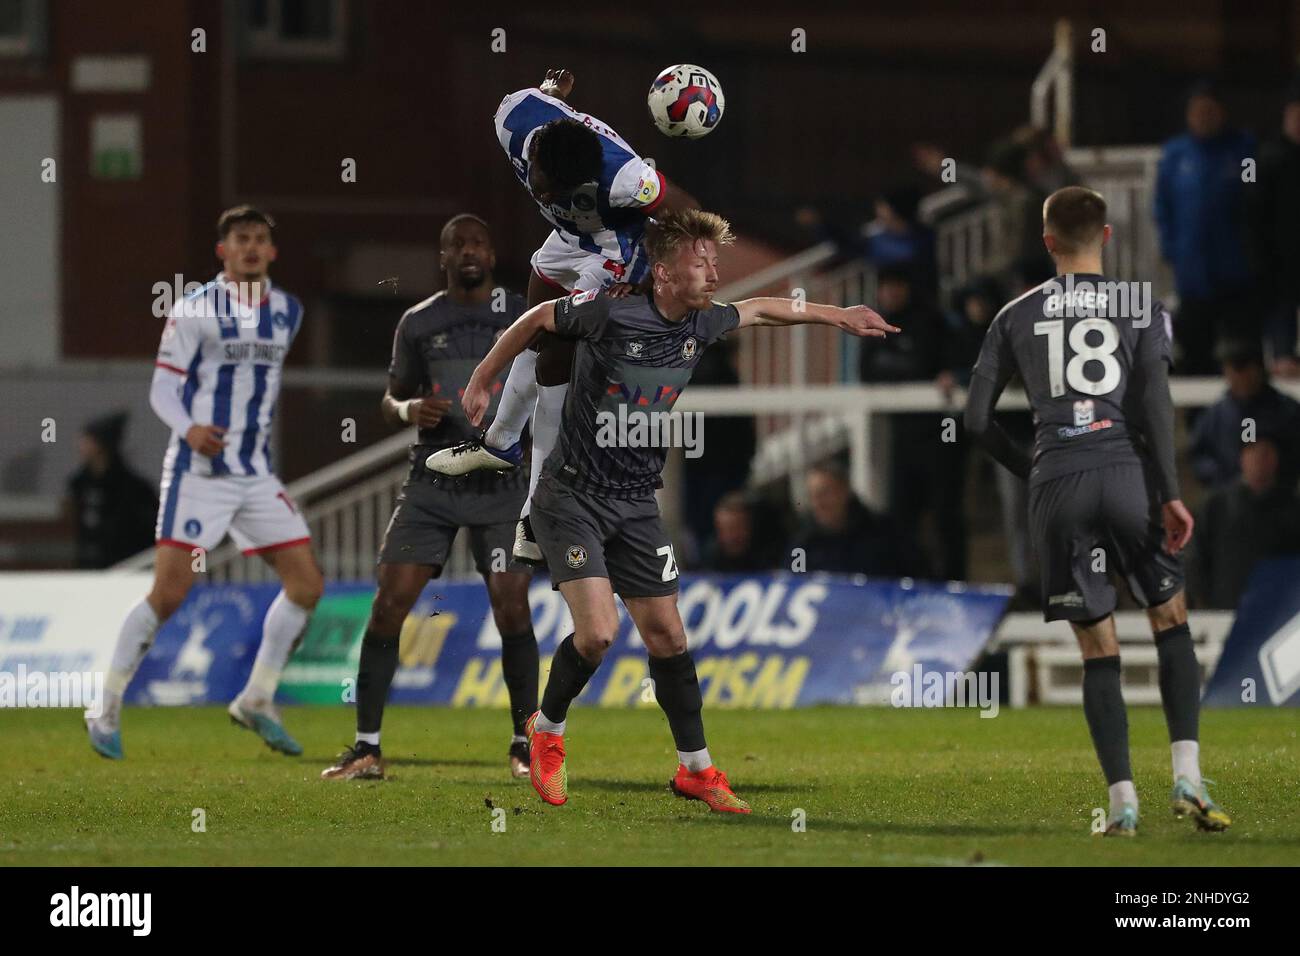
116	152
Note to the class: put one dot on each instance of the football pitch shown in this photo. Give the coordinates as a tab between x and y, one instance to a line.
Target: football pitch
871	786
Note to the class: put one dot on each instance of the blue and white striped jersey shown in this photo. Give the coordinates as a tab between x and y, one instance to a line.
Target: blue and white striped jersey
231	354
606	217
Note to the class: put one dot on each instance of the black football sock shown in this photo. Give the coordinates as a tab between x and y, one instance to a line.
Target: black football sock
1180	682
374	677
1103	705
677	688
570	672
519	662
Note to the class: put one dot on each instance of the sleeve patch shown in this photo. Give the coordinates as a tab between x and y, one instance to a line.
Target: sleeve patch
647	190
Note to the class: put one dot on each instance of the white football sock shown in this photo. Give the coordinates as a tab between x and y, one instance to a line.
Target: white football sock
1187	760
133	643
546	432
372	739
1120	794
283	625
545	725
696	760
517	400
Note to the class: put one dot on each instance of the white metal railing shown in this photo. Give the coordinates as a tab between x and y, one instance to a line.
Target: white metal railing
348	504
857	417
1055	80
1043	662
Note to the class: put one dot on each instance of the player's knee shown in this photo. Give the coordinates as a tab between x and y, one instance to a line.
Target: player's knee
306	589
508	594
593	641
167	597
389	610
665	641
1169	614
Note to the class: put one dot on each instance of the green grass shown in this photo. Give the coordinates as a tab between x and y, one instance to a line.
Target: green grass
879	786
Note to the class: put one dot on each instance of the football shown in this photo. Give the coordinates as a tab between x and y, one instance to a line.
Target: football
685	100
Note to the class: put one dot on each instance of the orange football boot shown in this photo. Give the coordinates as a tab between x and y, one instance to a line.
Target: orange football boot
549	776
709	785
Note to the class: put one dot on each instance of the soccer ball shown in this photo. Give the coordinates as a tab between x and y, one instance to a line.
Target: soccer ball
685	100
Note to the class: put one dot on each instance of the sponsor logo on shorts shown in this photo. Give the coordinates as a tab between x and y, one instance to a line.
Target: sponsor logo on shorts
689	347
576	556
1069	599
1166	583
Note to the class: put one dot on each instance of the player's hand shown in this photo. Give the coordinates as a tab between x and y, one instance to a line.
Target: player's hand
206	439
558	83
862	321
946	382
428	412
475	402
1178	525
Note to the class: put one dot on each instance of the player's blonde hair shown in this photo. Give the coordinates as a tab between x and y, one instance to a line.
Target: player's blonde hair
669	232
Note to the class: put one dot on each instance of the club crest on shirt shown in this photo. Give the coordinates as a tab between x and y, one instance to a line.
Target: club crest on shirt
440	340
576	556
634	349
280	320
689	348
1084	411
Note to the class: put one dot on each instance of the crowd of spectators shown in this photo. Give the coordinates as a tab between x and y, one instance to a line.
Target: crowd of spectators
1225	212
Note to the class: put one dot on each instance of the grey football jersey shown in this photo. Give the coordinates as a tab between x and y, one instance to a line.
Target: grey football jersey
435	349
631	364
1076	360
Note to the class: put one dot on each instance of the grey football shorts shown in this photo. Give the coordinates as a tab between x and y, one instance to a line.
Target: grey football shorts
586	536
430	510
1088	524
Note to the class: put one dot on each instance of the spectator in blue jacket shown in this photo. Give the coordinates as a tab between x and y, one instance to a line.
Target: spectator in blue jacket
1200	215
1250	407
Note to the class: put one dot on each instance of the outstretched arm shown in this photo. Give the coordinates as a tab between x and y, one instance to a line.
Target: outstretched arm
856	320
540	318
